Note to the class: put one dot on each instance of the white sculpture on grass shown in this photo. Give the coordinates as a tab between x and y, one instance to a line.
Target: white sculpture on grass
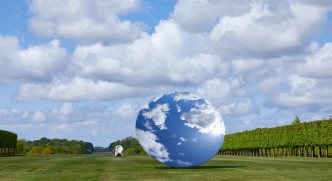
118	150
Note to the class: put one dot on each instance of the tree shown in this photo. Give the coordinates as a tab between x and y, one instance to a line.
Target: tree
300	139
58	146
129	144
47	151
296	120
20	145
7	142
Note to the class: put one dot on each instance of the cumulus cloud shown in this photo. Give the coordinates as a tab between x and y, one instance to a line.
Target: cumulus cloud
76	89
95	122
158	115
66	108
303	91
202	15
155	149
38	116
235	57
204	118
244	107
12	115
170	56
86	21
35	63
183	163
186	96
220	91
127	110
290	24
318	64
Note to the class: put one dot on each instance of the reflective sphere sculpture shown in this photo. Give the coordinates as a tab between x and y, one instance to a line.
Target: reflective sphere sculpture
180	129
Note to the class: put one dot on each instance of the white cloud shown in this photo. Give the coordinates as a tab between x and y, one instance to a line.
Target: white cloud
186	96
297	91
64	111
324	3
25	115
202	15
38	116
243	66
191	69
247	122
77	89
318	64
183	139
237	54
243	107
183	163
86	21
148	126
170	56
204	118
88	121
178	108
291	25
149	142
127	110
218	91
35	63
66	108
158	115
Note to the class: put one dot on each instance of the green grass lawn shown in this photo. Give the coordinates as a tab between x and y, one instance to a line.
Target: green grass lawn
90	167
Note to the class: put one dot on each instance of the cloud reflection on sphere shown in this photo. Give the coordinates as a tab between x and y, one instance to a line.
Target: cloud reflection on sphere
180	129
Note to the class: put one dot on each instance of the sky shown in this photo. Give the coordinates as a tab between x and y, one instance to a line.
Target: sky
83	69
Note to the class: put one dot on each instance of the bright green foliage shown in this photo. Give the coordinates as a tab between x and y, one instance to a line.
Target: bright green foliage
20	144
37	150
130	146
57	146
298	139
47	151
7	142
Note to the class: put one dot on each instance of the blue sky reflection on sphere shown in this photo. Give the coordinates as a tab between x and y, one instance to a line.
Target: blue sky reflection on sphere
180	129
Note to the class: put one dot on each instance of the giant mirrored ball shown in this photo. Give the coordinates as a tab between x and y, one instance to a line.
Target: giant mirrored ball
180	129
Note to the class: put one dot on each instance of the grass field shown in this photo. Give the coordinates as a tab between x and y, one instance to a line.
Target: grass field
101	167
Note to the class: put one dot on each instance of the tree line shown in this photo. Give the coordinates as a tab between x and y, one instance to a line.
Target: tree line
54	146
298	139
130	146
7	142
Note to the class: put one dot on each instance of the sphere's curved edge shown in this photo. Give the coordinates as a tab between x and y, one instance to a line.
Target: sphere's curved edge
169	115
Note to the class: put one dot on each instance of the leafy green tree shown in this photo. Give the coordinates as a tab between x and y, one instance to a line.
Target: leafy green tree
296	120
7	142
20	145
296	139
47	151
36	150
129	144
59	146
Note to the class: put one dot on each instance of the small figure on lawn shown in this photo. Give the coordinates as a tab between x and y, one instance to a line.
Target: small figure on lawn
118	151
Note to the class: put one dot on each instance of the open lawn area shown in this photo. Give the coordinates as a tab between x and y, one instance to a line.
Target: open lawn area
104	167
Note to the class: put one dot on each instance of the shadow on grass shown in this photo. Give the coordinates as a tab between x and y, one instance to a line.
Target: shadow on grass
200	167
11	155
